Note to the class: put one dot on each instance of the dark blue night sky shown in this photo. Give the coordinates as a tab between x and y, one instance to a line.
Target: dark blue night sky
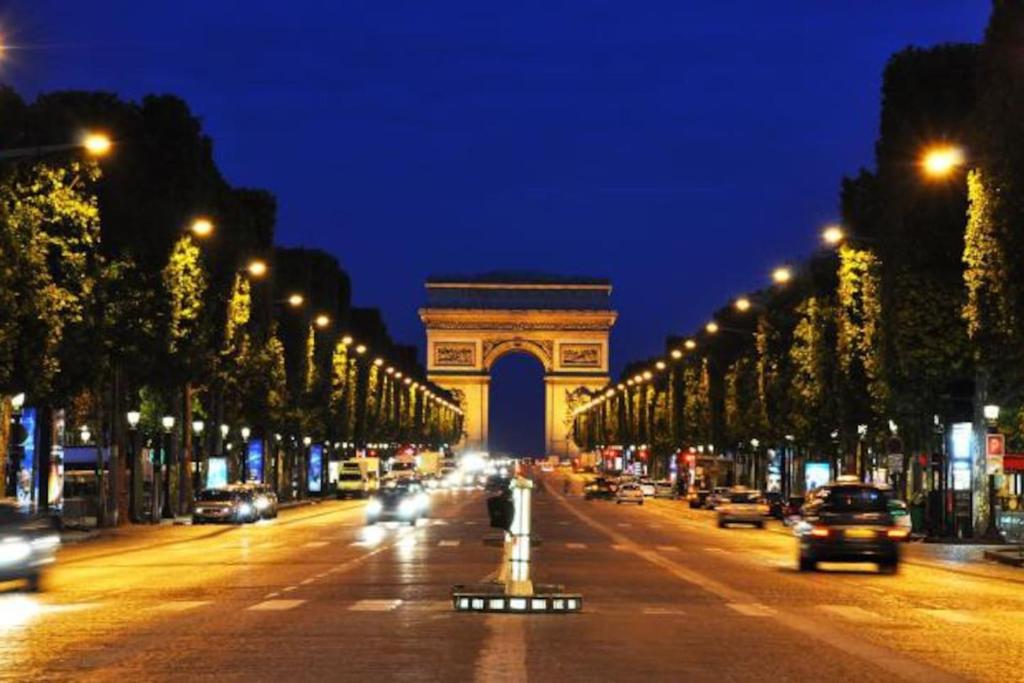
679	148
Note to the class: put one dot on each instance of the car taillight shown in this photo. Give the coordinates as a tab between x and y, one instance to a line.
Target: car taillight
820	531
897	534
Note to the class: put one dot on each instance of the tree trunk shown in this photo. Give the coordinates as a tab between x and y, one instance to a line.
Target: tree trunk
101	466
6	414
185	483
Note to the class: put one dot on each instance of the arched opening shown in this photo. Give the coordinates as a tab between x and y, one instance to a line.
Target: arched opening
516	414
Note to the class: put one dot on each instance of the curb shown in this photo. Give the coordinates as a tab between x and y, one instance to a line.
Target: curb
1004	557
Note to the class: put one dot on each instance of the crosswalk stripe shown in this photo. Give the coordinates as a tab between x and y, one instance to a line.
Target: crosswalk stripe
576	546
449	544
851	612
951	616
751	609
277	605
182	605
375	606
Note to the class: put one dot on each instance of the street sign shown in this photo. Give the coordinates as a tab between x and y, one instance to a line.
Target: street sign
995	449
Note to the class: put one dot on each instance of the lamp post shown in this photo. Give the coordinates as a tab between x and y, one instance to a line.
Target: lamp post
135	492
168	425
198	426
243	464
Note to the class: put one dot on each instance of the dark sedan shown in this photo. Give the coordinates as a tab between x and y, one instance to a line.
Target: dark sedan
846	522
599	489
397	501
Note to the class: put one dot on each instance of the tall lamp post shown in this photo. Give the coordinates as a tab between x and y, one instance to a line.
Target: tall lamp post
243	455
197	429
168	425
135	492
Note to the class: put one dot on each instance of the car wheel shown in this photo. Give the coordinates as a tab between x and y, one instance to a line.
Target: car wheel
760	525
641	502
889	567
807	564
34	583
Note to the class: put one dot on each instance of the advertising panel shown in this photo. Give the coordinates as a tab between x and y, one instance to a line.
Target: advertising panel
26	467
316	467
217	473
816	474
254	460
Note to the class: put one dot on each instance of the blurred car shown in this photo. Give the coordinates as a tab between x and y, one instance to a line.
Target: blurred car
697	498
629	493
791	510
352	484
664	489
28	545
849	522
264	498
598	489
900	516
397	501
647	486
742	506
716	497
232	504
775	502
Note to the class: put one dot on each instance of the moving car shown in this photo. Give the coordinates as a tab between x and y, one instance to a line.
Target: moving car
716	497
697	498
233	504
629	493
598	489
28	544
352	485
775	503
397	501
664	489
849	522
742	506
647	486
901	516
791	510
265	500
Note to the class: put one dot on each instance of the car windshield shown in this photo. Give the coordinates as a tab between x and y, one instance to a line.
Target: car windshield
744	497
210	495
854	499
350	477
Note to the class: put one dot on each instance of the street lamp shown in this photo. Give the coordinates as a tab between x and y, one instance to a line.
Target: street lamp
742	304
135	495
245	432
198	426
257	268
711	327
991	413
782	275
201	227
832	235
347	340
322	321
939	161
85	434
224	430
690	344
296	300
17	401
97	144
168	424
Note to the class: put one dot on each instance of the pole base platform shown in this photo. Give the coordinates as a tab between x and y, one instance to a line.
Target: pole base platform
491	598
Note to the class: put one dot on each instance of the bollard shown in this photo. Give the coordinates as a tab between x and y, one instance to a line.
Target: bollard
515	591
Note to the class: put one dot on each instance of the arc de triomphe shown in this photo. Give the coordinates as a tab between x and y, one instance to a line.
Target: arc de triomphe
562	322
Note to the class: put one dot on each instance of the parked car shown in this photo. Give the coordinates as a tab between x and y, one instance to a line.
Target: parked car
28	545
264	498
664	489
716	497
849	522
697	498
647	487
629	493
232	504
742	506
598	489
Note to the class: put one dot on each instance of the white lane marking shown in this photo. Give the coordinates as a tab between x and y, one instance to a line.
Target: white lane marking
470	522
624	524
182	605
314	544
667	547
449	544
268	596
288	589
375	605
751	609
712	549
276	605
951	616
576	546
620	548
663	611
852	613
306	582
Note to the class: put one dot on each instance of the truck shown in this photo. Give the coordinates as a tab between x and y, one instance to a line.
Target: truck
358	477
428	463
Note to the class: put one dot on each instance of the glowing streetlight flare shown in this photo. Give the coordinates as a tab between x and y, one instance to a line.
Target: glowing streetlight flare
257	268
322	321
201	227
677	354
832	235
690	344
97	144
782	275
742	304
711	327
296	300
941	160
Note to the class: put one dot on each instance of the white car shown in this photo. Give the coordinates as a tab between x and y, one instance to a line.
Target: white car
648	488
629	493
742	506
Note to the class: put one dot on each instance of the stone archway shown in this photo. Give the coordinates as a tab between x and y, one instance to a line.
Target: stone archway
563	322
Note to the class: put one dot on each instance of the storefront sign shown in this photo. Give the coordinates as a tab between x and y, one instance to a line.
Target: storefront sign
995	450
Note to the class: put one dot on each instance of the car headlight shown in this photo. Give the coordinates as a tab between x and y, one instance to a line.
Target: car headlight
14	550
423	500
407	507
262	503
244	509
373	507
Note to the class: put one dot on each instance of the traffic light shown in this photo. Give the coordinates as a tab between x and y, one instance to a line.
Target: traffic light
501	511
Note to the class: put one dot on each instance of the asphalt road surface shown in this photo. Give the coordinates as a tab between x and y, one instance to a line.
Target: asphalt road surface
315	595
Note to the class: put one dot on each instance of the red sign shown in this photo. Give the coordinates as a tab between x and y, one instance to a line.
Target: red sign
995	445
